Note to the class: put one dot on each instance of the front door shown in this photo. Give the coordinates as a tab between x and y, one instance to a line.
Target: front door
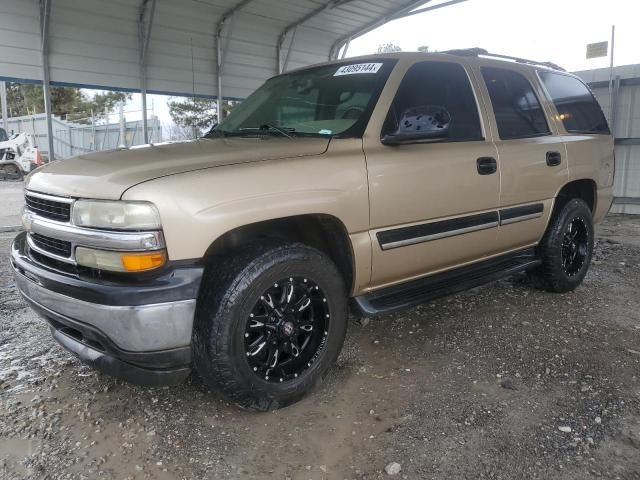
433	205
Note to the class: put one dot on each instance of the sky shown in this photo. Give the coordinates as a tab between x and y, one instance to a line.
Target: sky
542	30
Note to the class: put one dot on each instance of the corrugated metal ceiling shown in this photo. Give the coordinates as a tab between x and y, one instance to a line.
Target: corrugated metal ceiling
96	43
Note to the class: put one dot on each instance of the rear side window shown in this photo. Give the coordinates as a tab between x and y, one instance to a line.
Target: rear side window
439	84
579	111
516	107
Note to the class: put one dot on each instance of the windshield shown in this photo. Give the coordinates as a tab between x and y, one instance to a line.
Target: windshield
330	100
3	135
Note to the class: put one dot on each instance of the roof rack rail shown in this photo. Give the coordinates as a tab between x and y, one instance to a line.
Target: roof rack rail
481	52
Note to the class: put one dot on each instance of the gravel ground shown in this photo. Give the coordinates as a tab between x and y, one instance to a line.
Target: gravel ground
502	382
11	201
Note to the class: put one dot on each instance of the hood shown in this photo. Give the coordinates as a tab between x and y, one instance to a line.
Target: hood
108	174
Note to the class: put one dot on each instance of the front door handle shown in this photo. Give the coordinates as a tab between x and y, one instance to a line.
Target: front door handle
554	159
487	165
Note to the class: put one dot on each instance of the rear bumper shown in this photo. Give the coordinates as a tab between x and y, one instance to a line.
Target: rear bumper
123	329
603	203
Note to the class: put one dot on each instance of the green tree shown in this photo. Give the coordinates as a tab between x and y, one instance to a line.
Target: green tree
423	49
66	102
197	114
388	48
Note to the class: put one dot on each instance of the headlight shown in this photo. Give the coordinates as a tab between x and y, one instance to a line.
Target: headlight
120	261
118	215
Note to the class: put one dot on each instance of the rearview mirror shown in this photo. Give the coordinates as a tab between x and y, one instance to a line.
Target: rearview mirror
420	124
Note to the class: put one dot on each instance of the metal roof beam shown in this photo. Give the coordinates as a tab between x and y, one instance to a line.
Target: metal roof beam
294	27
428	8
220	50
409	9
335	48
144	29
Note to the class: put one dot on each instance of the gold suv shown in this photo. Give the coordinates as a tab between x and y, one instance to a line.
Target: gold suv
371	184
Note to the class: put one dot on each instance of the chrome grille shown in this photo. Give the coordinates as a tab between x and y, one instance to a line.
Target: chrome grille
48	207
56	247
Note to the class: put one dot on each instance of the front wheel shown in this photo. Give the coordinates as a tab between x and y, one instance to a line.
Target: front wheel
566	248
270	322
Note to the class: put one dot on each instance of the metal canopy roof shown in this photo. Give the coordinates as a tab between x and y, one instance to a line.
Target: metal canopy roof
93	43
216	48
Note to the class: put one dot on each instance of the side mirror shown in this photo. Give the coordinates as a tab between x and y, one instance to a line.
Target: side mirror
420	124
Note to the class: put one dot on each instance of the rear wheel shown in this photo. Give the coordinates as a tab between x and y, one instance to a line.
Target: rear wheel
270	322
566	248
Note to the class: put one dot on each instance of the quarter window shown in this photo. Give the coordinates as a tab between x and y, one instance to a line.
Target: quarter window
438	85
579	111
517	109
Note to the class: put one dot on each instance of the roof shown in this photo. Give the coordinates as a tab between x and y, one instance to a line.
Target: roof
460	56
93	43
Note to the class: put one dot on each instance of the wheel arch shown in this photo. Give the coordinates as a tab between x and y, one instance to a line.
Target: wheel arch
324	232
585	189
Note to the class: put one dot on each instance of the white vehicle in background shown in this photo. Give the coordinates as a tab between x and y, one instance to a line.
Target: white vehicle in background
18	154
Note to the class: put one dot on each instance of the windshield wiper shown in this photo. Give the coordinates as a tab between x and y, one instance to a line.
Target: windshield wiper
269	126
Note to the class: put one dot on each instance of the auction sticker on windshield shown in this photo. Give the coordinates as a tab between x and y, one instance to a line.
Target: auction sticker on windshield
358	68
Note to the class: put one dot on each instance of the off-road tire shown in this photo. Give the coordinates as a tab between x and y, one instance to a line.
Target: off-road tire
230	288
551	275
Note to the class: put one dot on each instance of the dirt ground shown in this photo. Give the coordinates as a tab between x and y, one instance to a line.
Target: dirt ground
502	382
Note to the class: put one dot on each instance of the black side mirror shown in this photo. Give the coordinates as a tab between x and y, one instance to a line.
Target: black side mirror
420	124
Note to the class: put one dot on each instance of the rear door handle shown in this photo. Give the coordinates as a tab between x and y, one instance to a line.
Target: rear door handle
487	165
554	159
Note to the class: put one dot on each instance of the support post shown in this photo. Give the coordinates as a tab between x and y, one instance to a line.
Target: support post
123	128
282	67
143	94
45	13
5	107
144	34
220	51
614	105
611	110
93	131
346	47
105	138
219	72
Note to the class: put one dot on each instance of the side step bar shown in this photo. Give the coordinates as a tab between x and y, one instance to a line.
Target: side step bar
415	292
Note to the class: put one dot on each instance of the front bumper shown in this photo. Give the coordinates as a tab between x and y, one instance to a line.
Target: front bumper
139	331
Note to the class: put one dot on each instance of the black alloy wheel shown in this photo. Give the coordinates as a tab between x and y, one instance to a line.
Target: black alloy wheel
575	246
286	329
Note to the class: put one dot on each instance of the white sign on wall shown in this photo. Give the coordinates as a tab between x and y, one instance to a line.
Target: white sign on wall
595	50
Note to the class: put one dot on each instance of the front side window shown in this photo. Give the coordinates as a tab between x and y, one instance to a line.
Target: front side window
517	109
579	111
3	135
434	90
331	100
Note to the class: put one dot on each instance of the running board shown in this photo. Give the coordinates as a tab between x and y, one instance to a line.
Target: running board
415	292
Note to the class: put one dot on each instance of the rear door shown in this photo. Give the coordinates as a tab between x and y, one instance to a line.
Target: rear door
533	163
584	129
431	209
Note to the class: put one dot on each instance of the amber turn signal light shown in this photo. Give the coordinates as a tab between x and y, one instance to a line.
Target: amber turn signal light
138	262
